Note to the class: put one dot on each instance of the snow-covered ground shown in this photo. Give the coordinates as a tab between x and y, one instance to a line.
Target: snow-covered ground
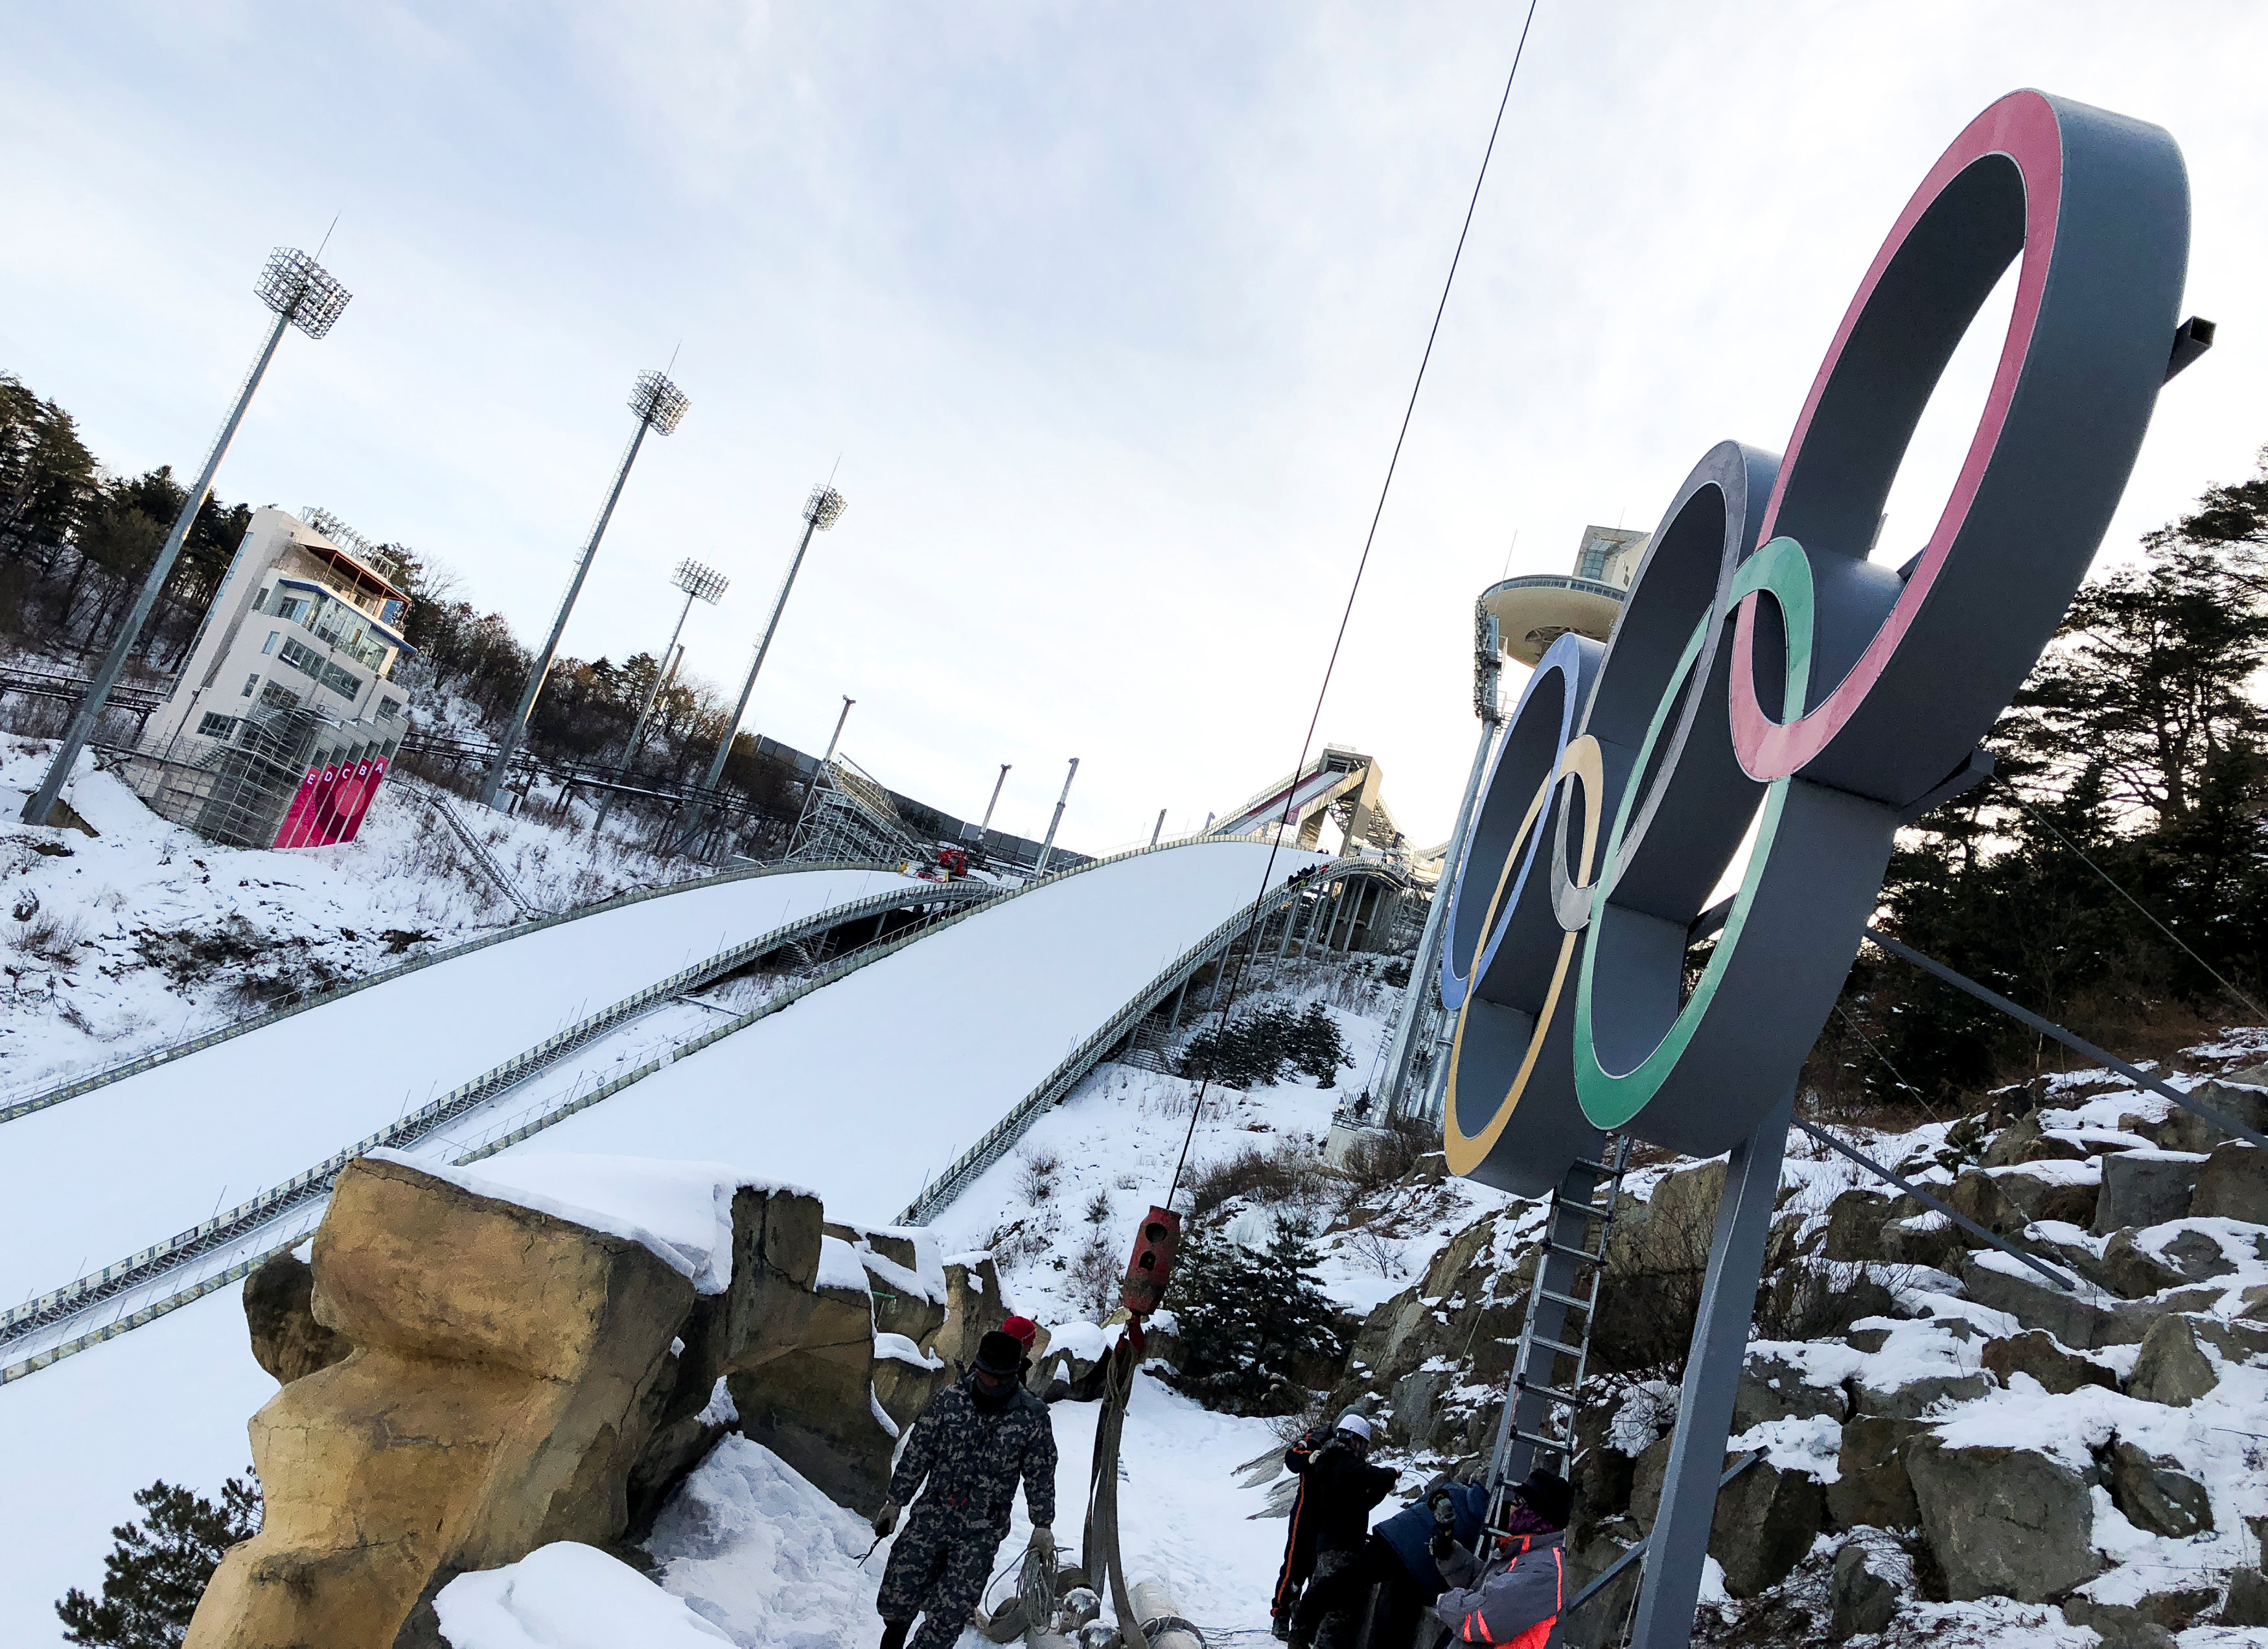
871	1087
145	933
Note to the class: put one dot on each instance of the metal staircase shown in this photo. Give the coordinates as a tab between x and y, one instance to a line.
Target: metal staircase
481	855
1540	1403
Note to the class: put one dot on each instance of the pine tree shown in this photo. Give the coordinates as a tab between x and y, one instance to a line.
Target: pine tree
1249	1323
153	1577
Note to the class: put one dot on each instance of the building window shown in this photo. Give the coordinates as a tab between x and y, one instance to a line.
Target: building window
305	659
388	708
391	612
217	726
250	682
1594	563
276	696
342	682
273	637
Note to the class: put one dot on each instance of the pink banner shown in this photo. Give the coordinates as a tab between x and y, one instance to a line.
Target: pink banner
295	817
376	771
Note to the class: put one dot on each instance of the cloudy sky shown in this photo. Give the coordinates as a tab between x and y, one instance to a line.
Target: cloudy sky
1107	313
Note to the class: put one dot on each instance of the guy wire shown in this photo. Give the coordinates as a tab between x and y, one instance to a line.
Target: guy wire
1291	791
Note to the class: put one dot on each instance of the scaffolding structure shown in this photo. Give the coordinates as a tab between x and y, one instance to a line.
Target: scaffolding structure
848	814
238	793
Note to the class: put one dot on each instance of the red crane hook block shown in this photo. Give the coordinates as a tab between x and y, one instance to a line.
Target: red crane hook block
1151	1265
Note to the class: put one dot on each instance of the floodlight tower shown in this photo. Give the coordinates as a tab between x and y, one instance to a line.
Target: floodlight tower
301	293
661	405
699	583
821	511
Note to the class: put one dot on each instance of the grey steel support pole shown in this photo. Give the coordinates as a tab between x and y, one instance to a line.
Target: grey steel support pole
1180	996
1712	1375
668	668
43	800
836	737
541	668
747	687
1524	1410
1423	972
1047	847
993	803
1291	910
1155	830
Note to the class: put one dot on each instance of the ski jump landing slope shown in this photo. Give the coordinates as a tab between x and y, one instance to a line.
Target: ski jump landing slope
99	1177
866	1089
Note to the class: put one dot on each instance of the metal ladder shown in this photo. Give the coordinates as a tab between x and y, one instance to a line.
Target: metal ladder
1539	1413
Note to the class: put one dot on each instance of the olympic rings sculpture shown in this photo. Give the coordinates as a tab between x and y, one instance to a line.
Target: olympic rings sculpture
1765	677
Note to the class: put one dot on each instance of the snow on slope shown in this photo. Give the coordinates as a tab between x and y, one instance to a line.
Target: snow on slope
145	933
872	1086
98	1177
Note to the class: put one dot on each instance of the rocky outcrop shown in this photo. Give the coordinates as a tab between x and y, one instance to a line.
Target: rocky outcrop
490	1406
1862	1595
2232	1185
2171	1368
2145	1189
1872	1489
468	1379
2036	1354
2003	1520
279	1309
2153	1495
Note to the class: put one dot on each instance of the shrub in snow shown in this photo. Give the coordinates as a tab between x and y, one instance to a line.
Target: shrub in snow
1257	1047
154	1576
1255	1329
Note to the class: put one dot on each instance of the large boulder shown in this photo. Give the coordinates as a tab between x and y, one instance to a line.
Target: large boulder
813	1404
2010	1521
2145	1189
2036	1354
975	1305
492	1405
1854	1227
1862	1595
2132	1272
2153	1495
905	1275
2053	1191
2232	1185
2185	1130
1871	1489
1995	1281
2171	1368
2248	1599
1772	1389
1765	1521
279	1309
1910	1400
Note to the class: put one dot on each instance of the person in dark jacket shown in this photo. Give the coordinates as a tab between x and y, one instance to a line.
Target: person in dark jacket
967	1450
1400	1562
1341	1487
1516	1598
1299	1538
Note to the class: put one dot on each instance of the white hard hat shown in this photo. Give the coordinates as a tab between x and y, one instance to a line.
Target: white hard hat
1352	1421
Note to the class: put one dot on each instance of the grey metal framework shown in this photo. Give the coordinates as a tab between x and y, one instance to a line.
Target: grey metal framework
238	792
473	844
847	814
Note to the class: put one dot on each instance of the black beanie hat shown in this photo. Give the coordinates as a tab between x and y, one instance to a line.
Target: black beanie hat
998	1353
1549	1497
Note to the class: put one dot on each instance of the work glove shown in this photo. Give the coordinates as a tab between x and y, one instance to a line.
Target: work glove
1442	1543
1043	1541
1444	1513
886	1521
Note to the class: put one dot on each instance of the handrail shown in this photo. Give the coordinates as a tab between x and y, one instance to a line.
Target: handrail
963	1169
478	848
134	1065
224	1228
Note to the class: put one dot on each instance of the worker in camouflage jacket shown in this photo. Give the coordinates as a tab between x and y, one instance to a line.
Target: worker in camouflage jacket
965	1454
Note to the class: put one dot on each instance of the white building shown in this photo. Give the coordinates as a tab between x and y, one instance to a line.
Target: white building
290	673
